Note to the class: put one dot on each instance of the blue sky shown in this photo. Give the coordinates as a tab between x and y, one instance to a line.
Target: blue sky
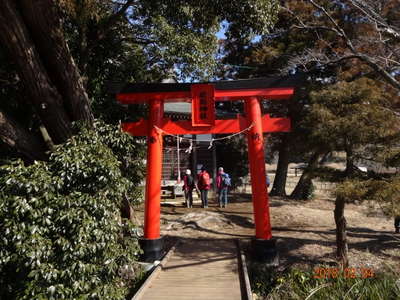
221	33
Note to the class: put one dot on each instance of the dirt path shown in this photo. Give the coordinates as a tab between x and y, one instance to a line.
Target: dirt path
305	230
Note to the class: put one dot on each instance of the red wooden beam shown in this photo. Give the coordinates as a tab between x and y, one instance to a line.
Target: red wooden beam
270	93
134	98
219	95
221	126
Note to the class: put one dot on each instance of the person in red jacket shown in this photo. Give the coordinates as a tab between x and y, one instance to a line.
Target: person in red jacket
203	183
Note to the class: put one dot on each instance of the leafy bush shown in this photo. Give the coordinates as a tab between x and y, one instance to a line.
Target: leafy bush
128	152
61	233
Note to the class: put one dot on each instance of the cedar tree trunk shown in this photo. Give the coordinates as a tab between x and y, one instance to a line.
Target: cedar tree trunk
43	21
43	94
278	189
20	139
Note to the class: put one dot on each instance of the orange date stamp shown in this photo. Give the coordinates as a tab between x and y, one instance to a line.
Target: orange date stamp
327	273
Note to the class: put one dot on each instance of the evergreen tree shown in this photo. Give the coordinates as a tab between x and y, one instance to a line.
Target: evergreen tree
63	52
356	118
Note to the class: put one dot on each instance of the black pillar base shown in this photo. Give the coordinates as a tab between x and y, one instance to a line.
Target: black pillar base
265	251
152	249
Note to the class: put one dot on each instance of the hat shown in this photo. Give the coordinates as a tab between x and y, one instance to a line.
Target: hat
188	172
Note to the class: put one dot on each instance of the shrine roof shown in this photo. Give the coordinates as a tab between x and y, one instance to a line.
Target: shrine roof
279	87
257	83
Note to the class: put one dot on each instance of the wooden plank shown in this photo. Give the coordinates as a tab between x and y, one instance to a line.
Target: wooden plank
154	274
198	270
246	281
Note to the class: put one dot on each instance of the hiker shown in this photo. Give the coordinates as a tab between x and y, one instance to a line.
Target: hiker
203	183
397	224
188	186
223	183
268	181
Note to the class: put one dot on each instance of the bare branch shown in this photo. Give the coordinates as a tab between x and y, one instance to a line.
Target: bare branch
374	17
385	74
384	59
323	60
316	28
335	24
309	27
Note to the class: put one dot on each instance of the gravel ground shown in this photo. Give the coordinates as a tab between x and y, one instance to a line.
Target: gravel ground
305	230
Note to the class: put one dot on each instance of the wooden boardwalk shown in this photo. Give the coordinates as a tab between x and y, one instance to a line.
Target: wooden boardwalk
198	269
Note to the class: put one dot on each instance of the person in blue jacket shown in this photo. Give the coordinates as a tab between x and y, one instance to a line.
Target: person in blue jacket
223	183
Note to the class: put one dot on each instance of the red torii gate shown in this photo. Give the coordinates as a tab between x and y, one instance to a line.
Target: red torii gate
203	97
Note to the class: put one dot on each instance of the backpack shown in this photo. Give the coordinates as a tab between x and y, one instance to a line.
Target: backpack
226	180
189	181
205	179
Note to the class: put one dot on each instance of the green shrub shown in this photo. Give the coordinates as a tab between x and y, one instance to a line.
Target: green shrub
61	236
129	153
303	284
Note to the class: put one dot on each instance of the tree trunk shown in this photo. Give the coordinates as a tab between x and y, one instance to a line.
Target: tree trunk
83	51
19	139
127	211
278	189
341	236
86	44
325	158
302	189
350	168
43	20
44	96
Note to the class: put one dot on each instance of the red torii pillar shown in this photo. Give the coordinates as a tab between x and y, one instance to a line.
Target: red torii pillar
203	121
263	245
256	155
151	244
